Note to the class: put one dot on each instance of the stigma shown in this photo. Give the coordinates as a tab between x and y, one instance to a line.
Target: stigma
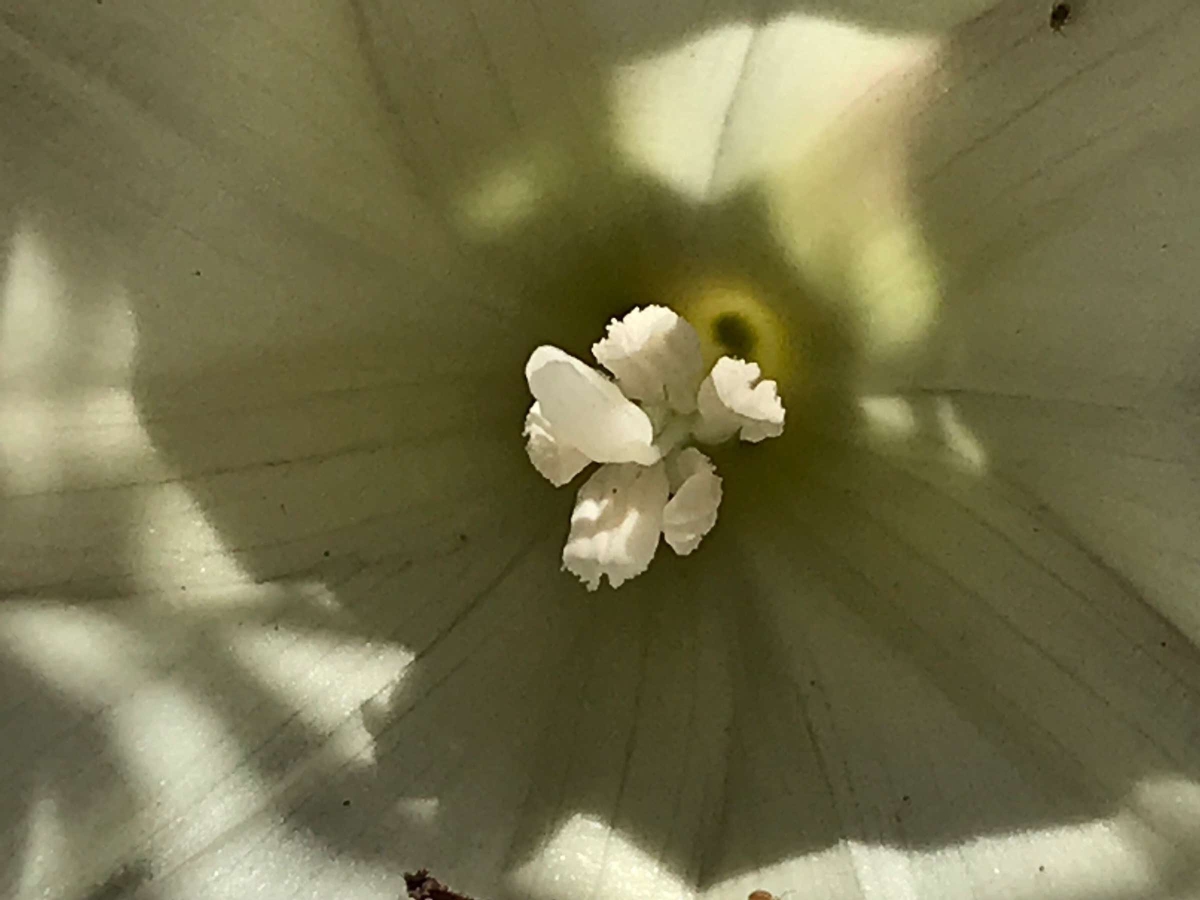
639	420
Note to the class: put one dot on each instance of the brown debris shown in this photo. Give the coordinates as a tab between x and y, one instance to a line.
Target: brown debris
1060	15
423	886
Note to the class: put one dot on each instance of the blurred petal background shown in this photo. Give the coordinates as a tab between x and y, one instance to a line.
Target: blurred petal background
283	613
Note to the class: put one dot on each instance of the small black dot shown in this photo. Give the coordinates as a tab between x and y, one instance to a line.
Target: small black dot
734	334
1162	643
345	803
906	798
197	273
1041	868
462	538
326	554
1060	14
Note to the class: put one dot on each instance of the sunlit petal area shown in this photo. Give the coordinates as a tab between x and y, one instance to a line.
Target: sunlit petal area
282	604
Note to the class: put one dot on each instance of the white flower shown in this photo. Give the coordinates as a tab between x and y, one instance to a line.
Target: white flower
616	524
579	417
733	401
587	412
556	460
281	610
655	356
692	511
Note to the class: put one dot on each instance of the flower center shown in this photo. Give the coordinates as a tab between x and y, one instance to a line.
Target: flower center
734	334
734	318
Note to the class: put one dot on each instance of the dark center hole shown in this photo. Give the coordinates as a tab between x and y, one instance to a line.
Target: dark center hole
734	334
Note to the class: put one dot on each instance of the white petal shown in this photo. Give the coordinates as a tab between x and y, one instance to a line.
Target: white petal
733	401
557	461
655	356
692	512
616	524
587	410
